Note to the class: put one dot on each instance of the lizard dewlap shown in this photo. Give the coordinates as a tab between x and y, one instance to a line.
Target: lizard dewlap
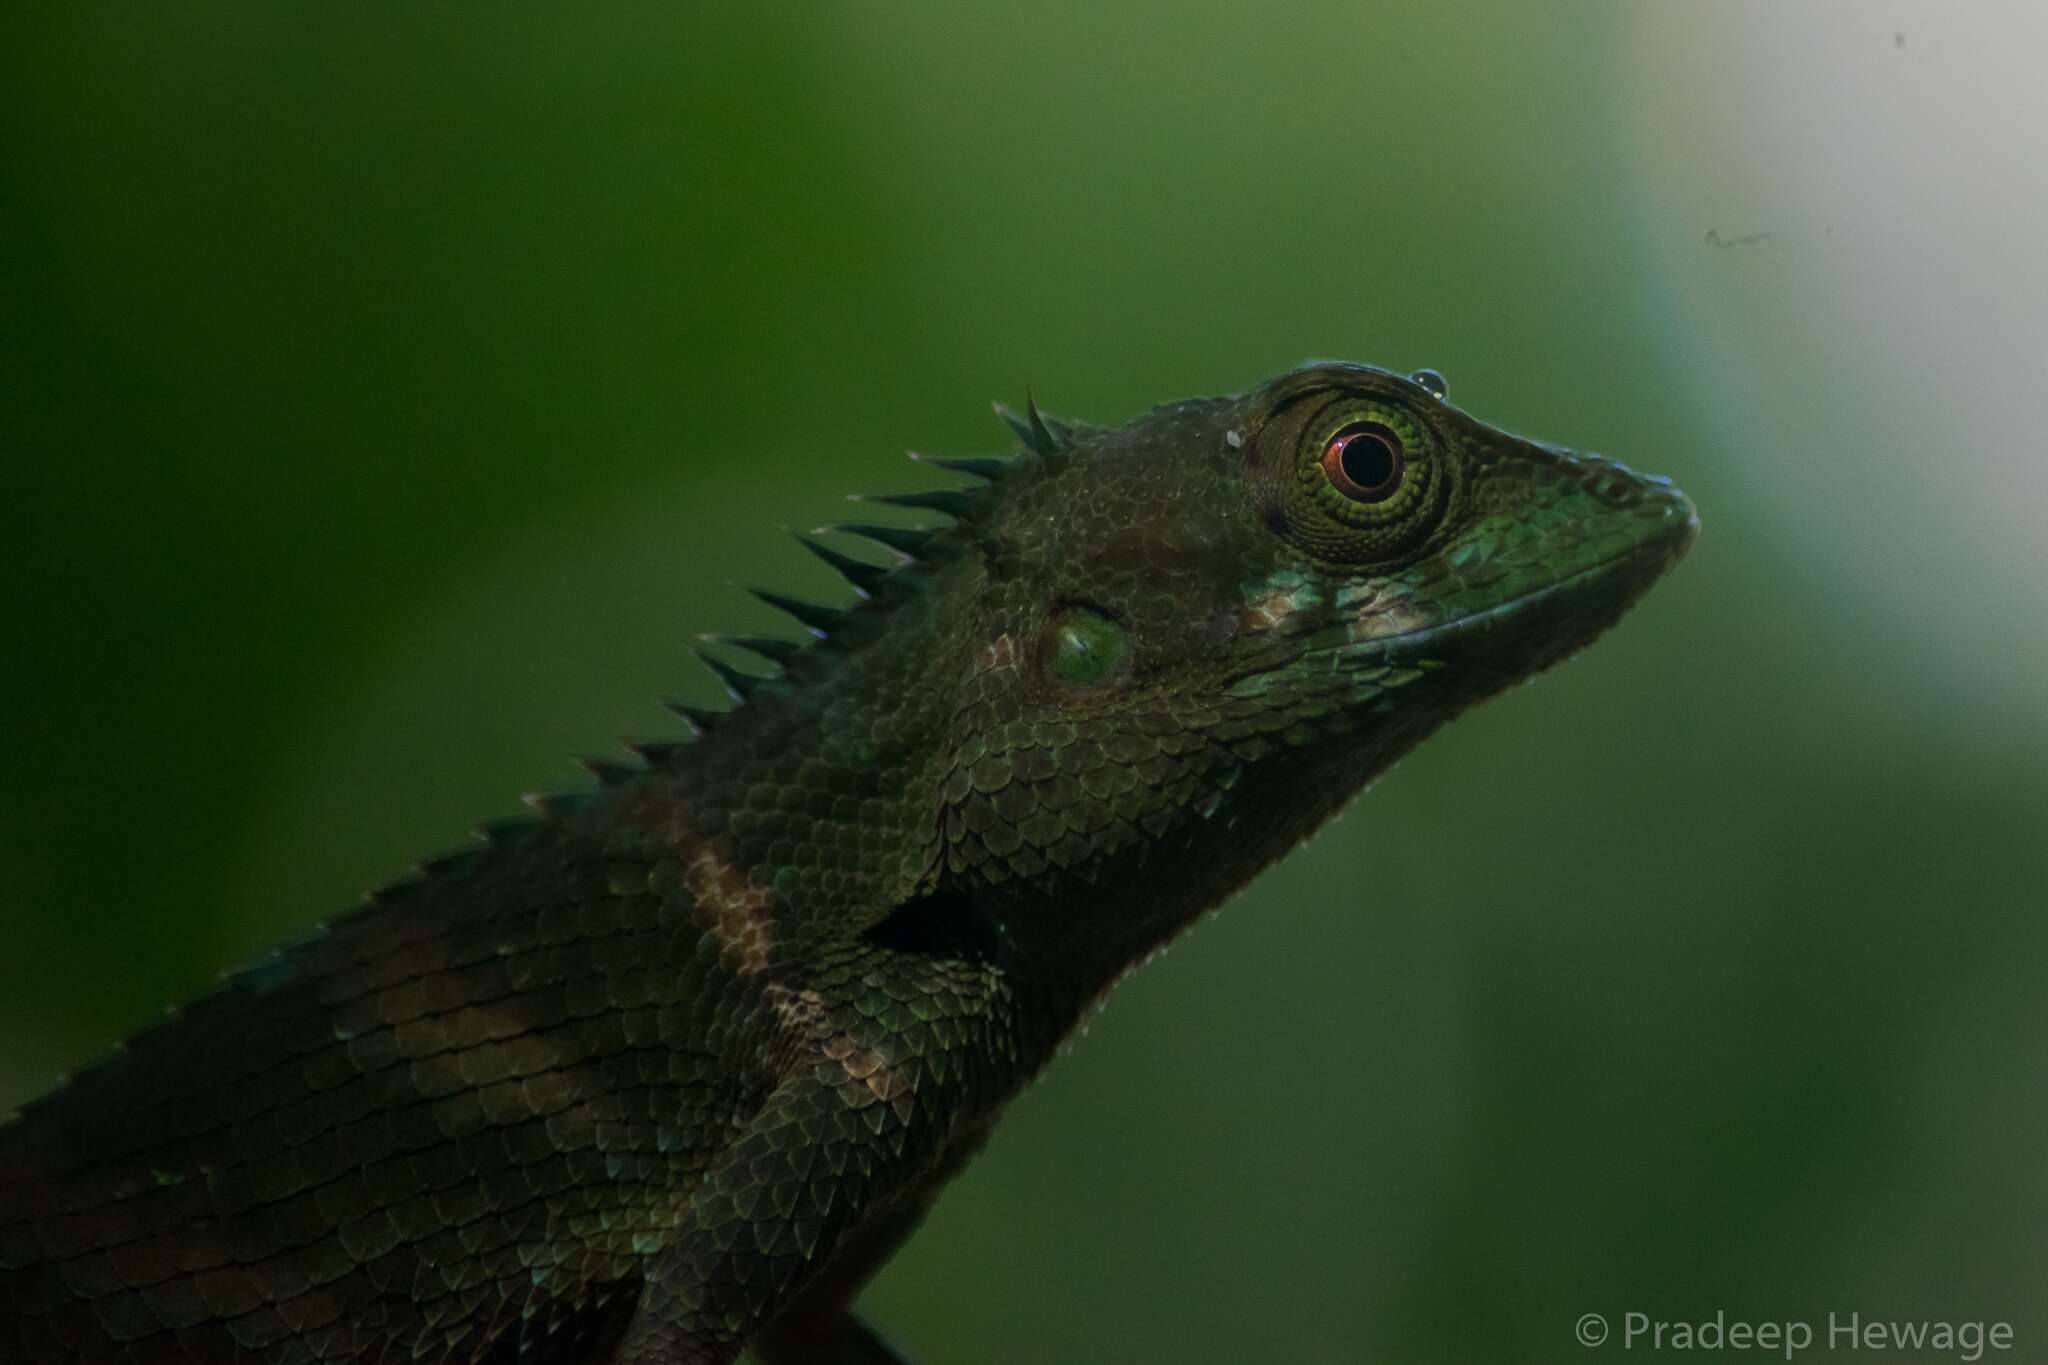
669	1070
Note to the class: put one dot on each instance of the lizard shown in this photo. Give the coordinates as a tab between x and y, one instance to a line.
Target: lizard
666	1071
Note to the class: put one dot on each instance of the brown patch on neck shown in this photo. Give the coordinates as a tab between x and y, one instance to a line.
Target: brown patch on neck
806	1016
734	911
868	1067
739	915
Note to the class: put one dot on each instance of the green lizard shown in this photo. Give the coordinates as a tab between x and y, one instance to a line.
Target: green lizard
667	1072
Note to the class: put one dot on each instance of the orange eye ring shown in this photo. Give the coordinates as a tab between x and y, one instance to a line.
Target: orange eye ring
1364	462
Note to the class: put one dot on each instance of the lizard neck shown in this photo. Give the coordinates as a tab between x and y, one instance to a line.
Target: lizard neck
1090	928
818	791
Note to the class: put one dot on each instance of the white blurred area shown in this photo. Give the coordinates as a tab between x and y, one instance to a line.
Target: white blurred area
1869	320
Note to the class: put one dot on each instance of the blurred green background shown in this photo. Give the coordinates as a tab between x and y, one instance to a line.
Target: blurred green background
391	392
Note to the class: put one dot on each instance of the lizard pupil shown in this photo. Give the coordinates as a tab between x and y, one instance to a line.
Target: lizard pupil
1363	462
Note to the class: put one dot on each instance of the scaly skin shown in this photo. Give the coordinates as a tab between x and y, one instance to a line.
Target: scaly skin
671	1069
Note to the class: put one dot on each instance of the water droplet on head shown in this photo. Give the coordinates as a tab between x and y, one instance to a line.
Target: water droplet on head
1432	381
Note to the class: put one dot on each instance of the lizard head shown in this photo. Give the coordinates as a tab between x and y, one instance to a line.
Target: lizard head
1335	535
1219	621
1162	654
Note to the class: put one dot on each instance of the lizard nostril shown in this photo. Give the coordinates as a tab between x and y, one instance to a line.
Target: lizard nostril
1611	483
1617	490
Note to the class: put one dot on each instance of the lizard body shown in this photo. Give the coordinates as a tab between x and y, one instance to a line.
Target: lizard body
668	1071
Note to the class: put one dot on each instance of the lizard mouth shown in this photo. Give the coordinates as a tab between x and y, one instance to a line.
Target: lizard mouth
1573	609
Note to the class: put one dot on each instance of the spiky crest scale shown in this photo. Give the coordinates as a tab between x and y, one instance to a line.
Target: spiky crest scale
738	682
773	648
442	862
987	468
378	896
911	542
1029	427
506	830
1067	431
866	578
1045	442
700	719
559	805
813	616
658	753
608	772
961	504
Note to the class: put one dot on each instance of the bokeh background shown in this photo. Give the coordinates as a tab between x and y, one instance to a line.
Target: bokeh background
391	393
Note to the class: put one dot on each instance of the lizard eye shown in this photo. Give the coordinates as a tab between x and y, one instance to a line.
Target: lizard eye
1361	479
1364	462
